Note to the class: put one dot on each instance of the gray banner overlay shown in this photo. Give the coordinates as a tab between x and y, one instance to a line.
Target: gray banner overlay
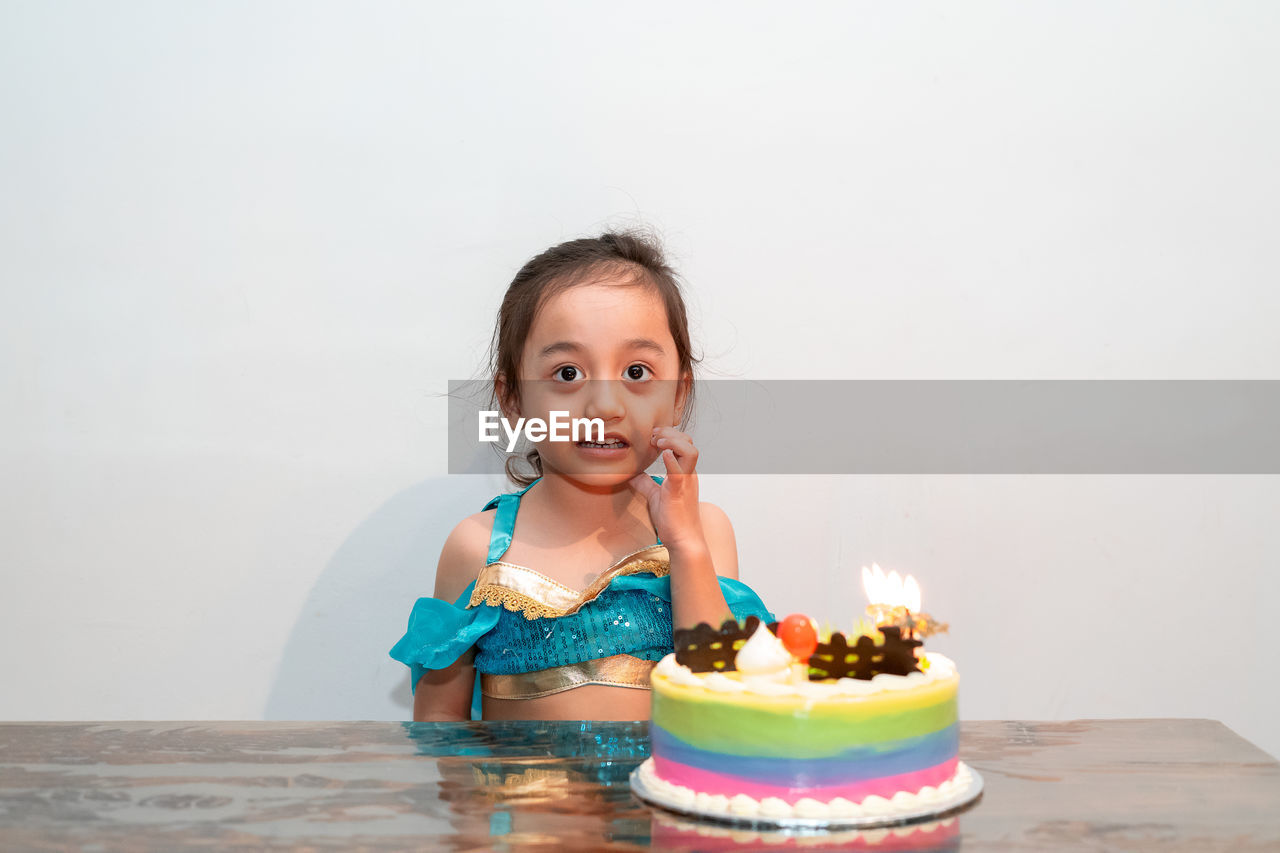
947	427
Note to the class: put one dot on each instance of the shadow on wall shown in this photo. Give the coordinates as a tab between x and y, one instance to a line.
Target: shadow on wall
335	664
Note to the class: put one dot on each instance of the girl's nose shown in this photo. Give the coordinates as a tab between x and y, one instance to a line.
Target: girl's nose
604	399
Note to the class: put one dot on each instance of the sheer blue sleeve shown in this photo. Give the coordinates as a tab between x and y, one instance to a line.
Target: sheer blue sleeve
439	633
743	601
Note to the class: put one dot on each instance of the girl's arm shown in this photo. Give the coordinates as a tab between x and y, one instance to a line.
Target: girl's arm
445	694
695	588
695	592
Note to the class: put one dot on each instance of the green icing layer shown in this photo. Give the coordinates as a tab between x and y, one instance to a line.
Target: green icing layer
813	733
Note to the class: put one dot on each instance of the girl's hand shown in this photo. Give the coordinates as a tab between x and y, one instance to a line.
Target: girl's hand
673	506
695	590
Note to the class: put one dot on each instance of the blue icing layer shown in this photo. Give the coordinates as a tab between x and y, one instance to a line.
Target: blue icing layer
856	764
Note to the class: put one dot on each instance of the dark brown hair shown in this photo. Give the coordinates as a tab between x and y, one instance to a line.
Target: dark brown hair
632	254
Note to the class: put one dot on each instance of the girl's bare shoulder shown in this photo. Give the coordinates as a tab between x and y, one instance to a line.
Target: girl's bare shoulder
714	515
465	552
721	541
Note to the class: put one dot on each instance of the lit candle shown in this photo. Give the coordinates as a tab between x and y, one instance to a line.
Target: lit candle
888	594
895	600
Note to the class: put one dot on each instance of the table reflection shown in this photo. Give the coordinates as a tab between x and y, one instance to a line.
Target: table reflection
526	783
516	784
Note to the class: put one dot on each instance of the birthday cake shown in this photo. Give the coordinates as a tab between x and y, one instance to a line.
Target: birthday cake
770	723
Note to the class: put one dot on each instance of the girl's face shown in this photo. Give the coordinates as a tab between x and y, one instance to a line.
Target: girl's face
602	350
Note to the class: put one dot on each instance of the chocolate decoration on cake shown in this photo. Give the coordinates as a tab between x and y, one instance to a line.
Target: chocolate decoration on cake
706	649
866	658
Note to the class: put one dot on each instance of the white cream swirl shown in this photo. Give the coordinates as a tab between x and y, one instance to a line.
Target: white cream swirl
762	654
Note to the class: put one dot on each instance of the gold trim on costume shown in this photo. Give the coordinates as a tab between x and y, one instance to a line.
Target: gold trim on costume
615	670
524	590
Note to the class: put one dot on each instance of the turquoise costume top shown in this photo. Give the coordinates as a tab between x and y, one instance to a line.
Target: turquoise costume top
533	636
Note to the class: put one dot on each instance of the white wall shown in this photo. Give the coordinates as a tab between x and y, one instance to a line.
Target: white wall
243	247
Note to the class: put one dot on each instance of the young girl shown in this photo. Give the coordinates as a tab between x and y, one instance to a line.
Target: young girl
566	592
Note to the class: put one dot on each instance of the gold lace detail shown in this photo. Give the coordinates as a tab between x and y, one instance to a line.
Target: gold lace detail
524	590
517	602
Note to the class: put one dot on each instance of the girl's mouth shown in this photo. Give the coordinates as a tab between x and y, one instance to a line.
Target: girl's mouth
611	444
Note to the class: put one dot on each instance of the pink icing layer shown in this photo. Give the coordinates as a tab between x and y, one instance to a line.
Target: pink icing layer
706	781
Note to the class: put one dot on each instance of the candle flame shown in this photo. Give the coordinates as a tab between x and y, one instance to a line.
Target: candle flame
890	590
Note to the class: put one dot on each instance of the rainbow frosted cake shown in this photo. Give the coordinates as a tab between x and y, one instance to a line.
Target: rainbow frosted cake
746	726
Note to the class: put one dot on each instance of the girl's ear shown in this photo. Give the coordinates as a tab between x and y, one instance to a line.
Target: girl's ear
683	387
506	395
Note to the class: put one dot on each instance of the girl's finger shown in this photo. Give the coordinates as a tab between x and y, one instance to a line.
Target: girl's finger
645	485
683	448
672	464
669	432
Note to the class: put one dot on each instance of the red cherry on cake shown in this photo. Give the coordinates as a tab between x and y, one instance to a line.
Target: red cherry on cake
799	634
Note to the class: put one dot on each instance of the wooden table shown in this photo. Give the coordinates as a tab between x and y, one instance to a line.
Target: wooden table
1087	785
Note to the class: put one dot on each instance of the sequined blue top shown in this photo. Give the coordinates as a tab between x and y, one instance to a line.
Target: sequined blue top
619	622
628	611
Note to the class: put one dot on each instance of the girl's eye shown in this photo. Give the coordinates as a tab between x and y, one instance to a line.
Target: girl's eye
568	373
638	372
